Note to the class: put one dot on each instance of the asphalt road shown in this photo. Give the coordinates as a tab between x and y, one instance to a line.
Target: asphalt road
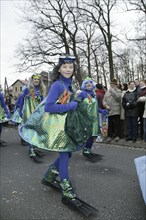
110	185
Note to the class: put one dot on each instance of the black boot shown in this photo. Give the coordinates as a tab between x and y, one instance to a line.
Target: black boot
23	142
38	153
34	157
2	143
50	176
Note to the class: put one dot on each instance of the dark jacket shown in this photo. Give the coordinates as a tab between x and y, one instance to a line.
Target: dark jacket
141	104
129	103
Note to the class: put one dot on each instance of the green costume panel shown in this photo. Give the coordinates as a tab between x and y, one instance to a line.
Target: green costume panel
64	132
3	117
16	118
30	105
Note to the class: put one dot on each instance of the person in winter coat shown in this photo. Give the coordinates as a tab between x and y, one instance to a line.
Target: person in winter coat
141	105
112	102
103	118
129	103
143	100
122	115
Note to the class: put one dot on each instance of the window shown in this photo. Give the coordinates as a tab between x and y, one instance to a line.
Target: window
15	89
20	89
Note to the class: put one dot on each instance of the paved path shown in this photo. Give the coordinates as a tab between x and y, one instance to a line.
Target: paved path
110	185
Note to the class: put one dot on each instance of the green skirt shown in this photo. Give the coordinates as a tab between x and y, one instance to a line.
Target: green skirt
3	116
15	117
65	132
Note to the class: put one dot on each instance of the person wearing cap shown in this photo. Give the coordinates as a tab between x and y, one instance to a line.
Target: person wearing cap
87	94
31	97
65	124
112	102
62	78
4	116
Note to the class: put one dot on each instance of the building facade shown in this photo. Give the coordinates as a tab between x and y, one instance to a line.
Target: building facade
17	87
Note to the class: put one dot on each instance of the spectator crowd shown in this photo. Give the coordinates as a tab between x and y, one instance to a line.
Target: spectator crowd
126	105
126	110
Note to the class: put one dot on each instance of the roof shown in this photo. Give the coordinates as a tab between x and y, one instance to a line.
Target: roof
24	82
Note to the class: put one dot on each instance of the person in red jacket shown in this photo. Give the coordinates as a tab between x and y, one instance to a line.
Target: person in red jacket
100	94
100	91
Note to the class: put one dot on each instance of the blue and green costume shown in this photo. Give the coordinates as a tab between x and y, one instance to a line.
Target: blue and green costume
4	113
61	126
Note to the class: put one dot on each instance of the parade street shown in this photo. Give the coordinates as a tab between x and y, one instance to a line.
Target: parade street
110	185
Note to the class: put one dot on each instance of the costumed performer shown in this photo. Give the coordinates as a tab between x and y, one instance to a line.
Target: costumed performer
31	97
4	116
65	126
88	95
16	117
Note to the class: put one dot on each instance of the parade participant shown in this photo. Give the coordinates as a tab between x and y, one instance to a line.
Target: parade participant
32	95
16	117
4	116
51	131
87	94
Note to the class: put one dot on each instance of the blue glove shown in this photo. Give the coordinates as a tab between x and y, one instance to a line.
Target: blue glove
103	111
73	105
37	93
26	92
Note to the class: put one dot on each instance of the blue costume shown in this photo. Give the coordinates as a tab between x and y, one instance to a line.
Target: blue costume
53	126
27	103
4	115
89	95
16	115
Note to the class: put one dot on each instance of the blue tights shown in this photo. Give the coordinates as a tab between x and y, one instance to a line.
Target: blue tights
61	165
89	143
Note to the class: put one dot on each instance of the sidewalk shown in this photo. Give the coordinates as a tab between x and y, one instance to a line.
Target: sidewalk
122	142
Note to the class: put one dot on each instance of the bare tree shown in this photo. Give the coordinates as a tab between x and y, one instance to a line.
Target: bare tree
79	27
138	6
99	12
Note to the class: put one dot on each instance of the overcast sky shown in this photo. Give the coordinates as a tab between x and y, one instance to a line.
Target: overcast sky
13	33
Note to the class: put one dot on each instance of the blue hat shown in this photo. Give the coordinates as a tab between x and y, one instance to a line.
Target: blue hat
66	59
83	86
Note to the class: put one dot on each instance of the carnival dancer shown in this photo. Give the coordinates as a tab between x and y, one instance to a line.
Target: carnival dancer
16	115
16	119
4	116
65	126
87	94
32	95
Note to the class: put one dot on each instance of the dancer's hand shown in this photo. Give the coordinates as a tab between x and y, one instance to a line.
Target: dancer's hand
73	105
